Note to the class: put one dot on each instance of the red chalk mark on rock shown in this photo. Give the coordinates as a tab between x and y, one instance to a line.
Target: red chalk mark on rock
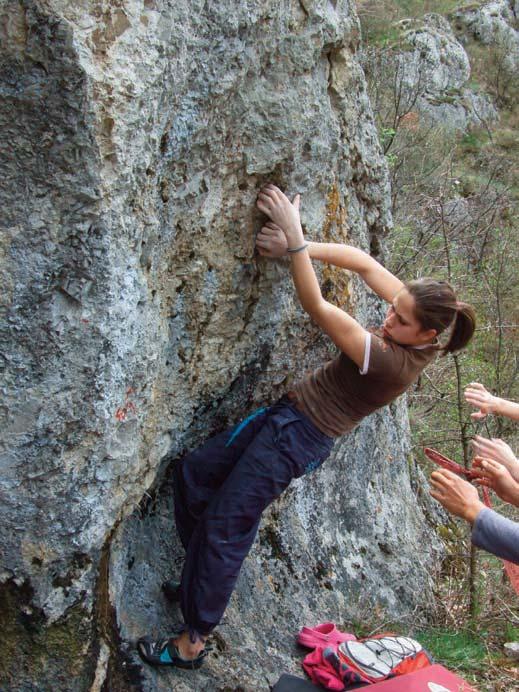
128	407
120	414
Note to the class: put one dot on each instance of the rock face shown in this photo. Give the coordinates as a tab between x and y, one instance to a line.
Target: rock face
493	23
137	321
429	71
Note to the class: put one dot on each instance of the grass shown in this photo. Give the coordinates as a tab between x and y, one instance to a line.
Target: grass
472	141
473	646
462	651
508	140
511	633
382	35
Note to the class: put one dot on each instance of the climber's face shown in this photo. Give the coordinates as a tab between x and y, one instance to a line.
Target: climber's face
401	324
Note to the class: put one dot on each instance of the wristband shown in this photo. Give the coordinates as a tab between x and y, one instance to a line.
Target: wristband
297	249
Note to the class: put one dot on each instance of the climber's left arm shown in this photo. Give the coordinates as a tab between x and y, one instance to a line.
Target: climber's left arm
272	241
343	329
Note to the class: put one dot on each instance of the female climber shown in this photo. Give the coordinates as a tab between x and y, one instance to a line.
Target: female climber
222	488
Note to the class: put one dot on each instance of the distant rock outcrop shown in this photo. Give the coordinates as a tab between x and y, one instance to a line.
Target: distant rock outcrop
493	23
137	320
429	70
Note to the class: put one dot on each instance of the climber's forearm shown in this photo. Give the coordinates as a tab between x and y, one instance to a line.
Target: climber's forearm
305	282
340	255
342	328
379	279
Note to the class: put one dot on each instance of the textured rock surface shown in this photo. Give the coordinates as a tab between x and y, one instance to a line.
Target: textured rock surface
493	23
429	71
138	321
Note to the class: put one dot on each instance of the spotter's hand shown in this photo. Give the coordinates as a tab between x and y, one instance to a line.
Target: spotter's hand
499	451
496	476
455	494
478	396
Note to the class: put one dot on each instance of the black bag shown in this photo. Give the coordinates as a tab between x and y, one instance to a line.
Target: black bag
291	683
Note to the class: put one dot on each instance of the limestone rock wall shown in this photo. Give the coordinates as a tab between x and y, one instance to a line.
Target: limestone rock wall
136	320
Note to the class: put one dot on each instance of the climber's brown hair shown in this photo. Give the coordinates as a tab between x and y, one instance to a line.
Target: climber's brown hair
436	307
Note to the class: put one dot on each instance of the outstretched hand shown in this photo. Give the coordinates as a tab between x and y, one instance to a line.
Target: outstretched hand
499	451
479	397
271	241
284	213
457	495
495	476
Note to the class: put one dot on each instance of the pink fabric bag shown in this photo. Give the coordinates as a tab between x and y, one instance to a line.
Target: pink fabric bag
321	672
318	669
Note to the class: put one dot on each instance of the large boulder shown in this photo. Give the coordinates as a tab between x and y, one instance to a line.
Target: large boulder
137	320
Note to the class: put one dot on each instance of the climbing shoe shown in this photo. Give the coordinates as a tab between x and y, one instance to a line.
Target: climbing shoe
164	653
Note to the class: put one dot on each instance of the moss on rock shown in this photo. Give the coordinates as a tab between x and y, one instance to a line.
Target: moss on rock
60	655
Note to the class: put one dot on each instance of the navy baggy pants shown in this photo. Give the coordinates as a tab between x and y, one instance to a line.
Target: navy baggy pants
221	490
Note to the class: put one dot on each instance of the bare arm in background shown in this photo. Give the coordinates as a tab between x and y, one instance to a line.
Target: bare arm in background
479	397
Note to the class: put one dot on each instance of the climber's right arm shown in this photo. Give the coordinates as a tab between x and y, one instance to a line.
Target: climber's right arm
271	242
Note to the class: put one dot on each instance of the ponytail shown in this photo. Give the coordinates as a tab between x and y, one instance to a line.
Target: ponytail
436	307
463	328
